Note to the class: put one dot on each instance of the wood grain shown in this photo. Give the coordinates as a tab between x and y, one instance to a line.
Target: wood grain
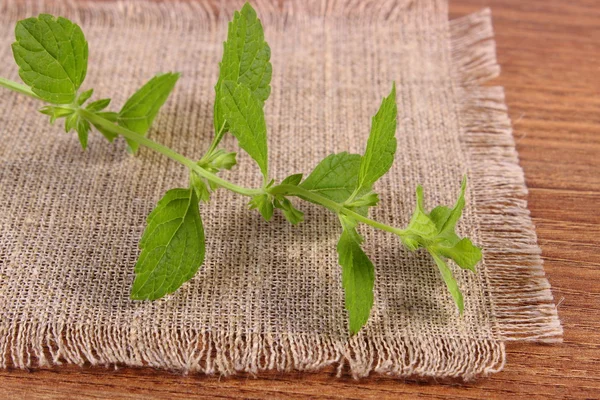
550	57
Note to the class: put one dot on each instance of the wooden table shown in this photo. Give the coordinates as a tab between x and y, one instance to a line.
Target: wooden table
550	57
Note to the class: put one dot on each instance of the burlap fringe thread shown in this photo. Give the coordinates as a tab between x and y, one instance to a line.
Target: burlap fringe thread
519	294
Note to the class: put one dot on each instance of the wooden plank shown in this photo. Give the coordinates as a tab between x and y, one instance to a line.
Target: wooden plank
549	52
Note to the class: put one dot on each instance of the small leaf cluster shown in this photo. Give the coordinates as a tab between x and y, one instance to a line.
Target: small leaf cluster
435	232
52	56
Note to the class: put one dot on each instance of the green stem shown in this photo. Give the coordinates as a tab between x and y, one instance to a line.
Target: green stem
293	190
215	142
353	195
144	141
17	87
287	190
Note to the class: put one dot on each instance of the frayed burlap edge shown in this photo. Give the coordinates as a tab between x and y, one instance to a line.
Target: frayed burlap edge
519	293
223	353
523	305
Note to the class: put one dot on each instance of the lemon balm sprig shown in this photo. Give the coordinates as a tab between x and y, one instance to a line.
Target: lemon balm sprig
52	54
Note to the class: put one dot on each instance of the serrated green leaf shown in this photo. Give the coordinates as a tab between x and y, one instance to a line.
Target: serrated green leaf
141	108
454	215
368	199
214	162
292	214
110	116
56	112
84	96
421	228
246	120
335	177
381	146
172	246
222	159
294	179
52	57
82	127
439	215
201	187
263	204
445	219
98	105
358	278
463	253
245	60
450	281
435	231
71	122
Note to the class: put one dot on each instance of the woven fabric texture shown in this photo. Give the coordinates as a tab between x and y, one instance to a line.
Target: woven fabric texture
269	295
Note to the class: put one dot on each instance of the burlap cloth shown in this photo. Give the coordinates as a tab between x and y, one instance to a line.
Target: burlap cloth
269	295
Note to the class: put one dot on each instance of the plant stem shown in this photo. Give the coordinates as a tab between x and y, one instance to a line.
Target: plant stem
280	189
144	141
332	205
215	142
285	190
17	87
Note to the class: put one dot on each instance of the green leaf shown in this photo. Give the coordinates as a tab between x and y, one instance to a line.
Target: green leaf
264	204
109	115
172	246
448	224
245	60
445	219
222	159
71	122
110	136
439	215
246	119
218	160
52	57
56	112
292	180
381	146
358	277
215	162
464	253
292	214
335	177
98	105
435	231
141	108
83	129
368	199
201	187
450	281
421	229
74	122
84	96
